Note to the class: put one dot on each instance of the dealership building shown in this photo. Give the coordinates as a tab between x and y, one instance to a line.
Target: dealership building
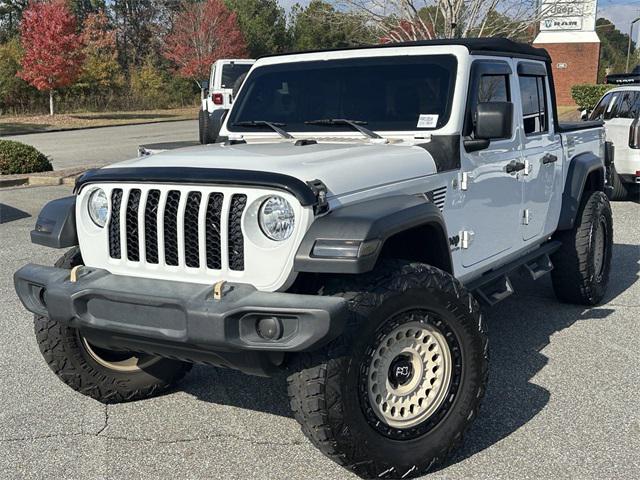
568	33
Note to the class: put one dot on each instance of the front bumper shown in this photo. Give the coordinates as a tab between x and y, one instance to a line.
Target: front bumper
181	320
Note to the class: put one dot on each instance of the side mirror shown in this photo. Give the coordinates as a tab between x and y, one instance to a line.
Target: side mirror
584	114
204	89
491	121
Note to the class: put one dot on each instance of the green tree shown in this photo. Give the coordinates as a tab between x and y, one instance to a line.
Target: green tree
148	84
10	15
613	49
263	25
320	25
83	8
13	89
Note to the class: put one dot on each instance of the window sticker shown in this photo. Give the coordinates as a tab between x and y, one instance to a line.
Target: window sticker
427	121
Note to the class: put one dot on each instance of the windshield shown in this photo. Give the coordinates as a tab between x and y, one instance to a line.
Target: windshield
231	72
384	93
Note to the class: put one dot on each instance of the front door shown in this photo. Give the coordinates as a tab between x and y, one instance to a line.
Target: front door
542	152
491	201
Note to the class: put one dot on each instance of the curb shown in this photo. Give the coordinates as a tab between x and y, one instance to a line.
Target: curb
61	177
93	127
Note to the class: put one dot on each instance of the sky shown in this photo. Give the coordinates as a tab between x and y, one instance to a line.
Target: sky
620	12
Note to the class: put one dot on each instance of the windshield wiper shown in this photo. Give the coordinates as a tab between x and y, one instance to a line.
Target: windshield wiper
356	124
259	123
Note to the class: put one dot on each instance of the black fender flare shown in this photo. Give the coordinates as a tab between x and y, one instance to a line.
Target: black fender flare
56	224
580	167
370	222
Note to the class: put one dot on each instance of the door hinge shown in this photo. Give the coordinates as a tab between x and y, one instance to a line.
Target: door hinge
526	216
466	238
463	181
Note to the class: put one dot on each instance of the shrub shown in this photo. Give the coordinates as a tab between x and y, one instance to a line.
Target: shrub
16	157
587	95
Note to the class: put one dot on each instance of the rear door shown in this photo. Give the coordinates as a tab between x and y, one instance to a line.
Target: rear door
542	152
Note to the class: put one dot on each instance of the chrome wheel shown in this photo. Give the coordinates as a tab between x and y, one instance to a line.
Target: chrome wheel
409	374
126	362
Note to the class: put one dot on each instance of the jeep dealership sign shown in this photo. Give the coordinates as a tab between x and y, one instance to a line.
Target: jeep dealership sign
568	15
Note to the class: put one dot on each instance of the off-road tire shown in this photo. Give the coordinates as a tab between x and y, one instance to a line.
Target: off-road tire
207	135
323	386
201	126
620	190
574	276
63	351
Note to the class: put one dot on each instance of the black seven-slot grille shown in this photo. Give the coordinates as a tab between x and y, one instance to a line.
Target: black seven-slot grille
169	209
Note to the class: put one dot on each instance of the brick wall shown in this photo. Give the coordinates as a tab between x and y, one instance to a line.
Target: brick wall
581	62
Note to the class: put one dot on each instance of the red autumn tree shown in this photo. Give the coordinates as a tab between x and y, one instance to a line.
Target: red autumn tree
202	33
52	48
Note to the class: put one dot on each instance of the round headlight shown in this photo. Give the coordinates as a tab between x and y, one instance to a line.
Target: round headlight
98	207
277	218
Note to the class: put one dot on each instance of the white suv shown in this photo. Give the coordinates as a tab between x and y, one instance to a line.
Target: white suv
620	110
218	91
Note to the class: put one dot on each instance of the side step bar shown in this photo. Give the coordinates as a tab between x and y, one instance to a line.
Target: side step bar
495	285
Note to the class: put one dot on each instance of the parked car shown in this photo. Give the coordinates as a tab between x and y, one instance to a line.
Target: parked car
619	108
362	204
624	78
218	94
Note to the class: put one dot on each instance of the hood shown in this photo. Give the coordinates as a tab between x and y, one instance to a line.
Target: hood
343	168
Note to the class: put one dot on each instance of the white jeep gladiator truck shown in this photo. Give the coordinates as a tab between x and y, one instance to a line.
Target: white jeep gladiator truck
217	92
359	207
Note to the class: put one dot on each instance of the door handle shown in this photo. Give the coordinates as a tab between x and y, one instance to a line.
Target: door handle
549	158
514	166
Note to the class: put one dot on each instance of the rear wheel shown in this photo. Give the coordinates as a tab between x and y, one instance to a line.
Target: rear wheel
583	262
106	375
207	135
201	126
393	396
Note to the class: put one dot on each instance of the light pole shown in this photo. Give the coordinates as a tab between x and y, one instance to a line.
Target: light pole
629	46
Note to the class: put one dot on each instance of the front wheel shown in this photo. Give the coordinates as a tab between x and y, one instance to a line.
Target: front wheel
394	395
106	375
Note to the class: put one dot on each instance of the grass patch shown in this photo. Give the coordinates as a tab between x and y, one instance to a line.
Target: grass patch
14	125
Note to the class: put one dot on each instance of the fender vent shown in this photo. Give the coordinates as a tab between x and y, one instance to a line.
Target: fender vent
438	197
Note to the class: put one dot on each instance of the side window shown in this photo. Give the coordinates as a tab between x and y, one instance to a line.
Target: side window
534	104
628	105
601	107
494	88
490	87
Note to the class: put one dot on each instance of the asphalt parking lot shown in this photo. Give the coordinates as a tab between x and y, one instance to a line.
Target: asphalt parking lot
99	146
562	402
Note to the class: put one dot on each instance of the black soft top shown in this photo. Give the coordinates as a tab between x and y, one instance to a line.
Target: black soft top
481	46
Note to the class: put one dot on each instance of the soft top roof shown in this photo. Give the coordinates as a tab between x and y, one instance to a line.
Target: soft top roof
483	46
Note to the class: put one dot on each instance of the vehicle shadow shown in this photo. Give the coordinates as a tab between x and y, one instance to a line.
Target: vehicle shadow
519	329
9	213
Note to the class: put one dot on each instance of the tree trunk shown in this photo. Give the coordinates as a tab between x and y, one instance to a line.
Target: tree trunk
51	103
